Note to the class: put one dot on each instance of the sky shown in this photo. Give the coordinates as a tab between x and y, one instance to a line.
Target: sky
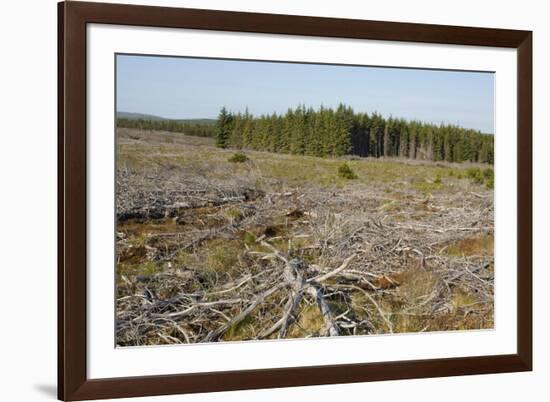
188	88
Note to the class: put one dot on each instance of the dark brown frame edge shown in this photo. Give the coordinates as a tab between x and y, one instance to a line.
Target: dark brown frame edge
73	383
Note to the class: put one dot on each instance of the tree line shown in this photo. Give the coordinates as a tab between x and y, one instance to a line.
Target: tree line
328	132
194	129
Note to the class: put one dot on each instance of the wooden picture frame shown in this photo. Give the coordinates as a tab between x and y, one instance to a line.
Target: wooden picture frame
73	17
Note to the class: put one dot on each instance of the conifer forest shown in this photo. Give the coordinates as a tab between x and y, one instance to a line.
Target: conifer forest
341	131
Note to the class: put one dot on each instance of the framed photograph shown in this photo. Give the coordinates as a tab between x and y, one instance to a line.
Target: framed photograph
253	200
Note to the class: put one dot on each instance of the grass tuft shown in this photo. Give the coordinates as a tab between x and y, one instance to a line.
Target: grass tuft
222	258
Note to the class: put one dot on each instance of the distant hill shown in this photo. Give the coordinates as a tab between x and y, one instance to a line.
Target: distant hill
138	116
150	117
197	121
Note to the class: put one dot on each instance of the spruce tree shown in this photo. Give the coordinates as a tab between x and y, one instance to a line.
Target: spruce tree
223	128
337	132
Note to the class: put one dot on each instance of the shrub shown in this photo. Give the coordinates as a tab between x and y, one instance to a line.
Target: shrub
472	172
238	158
475	175
488	173
345	172
437	179
490	184
478	176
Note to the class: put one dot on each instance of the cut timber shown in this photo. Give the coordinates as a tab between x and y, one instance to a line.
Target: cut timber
215	335
319	295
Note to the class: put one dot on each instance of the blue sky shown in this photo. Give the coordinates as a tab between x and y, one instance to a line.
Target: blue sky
176	87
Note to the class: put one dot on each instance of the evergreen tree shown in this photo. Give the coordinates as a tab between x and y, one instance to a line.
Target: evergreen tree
223	128
329	132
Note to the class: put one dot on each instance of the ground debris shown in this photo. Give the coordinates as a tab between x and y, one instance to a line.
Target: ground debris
209	251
